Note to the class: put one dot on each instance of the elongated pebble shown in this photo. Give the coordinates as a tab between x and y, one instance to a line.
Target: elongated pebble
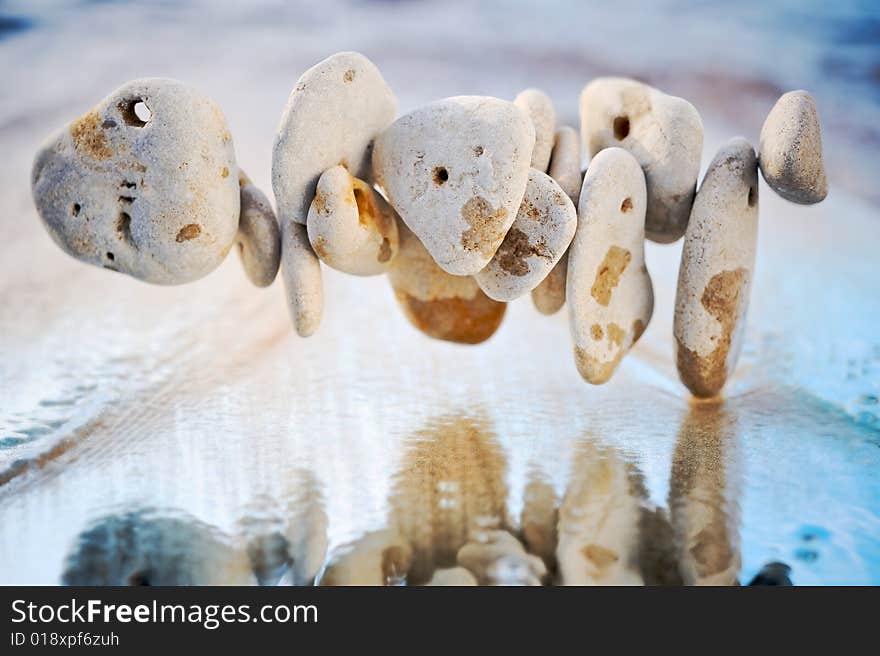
301	271
351	227
144	183
539	107
609	293
790	149
443	306
541	233
456	171
259	239
332	116
599	521
663	132
565	169
715	276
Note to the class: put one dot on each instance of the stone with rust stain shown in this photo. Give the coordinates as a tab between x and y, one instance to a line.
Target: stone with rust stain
790	149
565	168
443	306
303	284
495	557
351	227
141	183
333	115
456	171
715	276
609	292
663	132
259	239
539	107
541	233
600	519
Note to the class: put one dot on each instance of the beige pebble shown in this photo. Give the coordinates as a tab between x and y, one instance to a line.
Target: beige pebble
539	107
443	306
663	132
495	557
565	168
599	521
303	285
541	233
259	239
144	183
332	116
539	519
610	297
379	558
790	149
717	263
456	171
452	576
351	227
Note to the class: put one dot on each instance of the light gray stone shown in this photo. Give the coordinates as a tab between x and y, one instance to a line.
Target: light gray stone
259	239
539	107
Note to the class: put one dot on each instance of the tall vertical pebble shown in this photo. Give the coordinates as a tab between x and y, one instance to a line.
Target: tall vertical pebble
717	264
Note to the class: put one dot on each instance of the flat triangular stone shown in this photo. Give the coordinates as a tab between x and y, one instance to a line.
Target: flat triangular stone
456	171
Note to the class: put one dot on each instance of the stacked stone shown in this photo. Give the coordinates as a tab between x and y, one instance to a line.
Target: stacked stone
466	204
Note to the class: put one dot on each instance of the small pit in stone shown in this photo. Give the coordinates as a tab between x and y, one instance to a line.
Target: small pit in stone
441	175
135	112
753	196
621	127
626	205
110	256
348	76
478	150
123	227
75	209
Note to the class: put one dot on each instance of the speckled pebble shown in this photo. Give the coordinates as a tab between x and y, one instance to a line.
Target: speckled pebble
456	171
541	233
565	169
259	239
790	150
610	297
443	306
303	284
539	107
663	132
332	116
145	183
351	227
715	277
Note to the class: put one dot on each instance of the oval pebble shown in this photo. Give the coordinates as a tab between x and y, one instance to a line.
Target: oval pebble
542	231
539	107
663	132
610	297
456	171
144	183
303	284
259	239
332	116
496	557
351	227
715	276
790	149
443	306
565	168
452	576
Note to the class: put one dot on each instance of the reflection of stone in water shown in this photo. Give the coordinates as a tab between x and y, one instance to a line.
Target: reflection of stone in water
287	539
497	558
151	547
702	501
599	520
377	558
451	481
539	518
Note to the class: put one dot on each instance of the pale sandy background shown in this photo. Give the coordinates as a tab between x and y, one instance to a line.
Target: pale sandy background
116	395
